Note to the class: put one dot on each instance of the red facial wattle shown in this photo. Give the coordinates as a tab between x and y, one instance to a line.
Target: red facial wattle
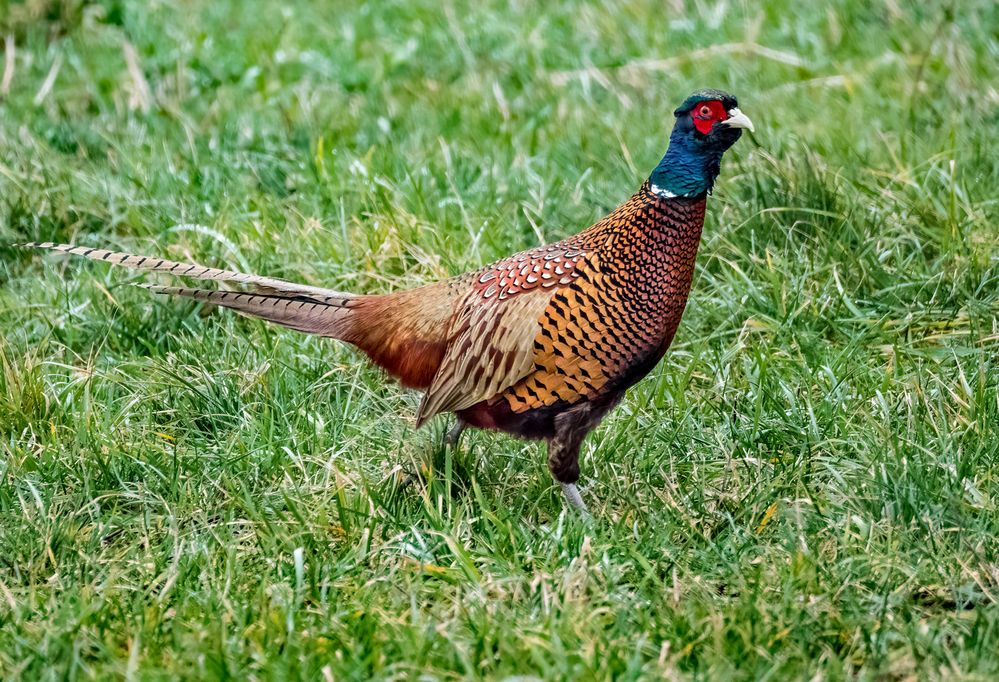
706	114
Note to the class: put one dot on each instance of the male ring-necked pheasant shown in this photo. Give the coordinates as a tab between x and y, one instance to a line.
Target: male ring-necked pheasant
541	344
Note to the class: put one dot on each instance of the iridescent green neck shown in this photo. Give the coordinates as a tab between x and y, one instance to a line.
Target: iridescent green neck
688	169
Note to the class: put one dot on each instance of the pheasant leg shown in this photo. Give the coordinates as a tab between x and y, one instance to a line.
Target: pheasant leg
571	428
452	437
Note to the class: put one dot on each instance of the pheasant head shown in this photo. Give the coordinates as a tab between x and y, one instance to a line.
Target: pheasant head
707	124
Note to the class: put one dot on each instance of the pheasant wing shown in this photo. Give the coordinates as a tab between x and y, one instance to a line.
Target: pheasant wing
491	337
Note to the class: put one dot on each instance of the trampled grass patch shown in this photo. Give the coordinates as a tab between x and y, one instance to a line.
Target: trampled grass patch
804	488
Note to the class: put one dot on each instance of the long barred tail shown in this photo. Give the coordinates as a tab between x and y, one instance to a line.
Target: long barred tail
405	333
310	309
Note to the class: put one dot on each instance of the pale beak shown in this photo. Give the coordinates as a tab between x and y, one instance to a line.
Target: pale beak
737	119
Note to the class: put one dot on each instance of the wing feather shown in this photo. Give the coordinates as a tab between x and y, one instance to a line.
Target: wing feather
492	335
491	348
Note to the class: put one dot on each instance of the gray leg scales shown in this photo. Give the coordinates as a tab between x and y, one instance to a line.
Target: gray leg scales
451	437
572	496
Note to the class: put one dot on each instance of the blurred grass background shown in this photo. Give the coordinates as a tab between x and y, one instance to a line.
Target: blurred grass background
805	487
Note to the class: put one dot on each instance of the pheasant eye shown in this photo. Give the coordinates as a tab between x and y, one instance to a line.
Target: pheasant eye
705	111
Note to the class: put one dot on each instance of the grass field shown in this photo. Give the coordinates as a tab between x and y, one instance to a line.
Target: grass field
807	487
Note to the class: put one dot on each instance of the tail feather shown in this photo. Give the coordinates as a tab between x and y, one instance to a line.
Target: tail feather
169	267
314	315
310	309
405	333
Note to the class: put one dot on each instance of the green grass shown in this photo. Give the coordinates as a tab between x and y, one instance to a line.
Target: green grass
805	488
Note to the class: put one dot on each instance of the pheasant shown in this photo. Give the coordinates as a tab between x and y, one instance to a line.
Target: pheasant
542	344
